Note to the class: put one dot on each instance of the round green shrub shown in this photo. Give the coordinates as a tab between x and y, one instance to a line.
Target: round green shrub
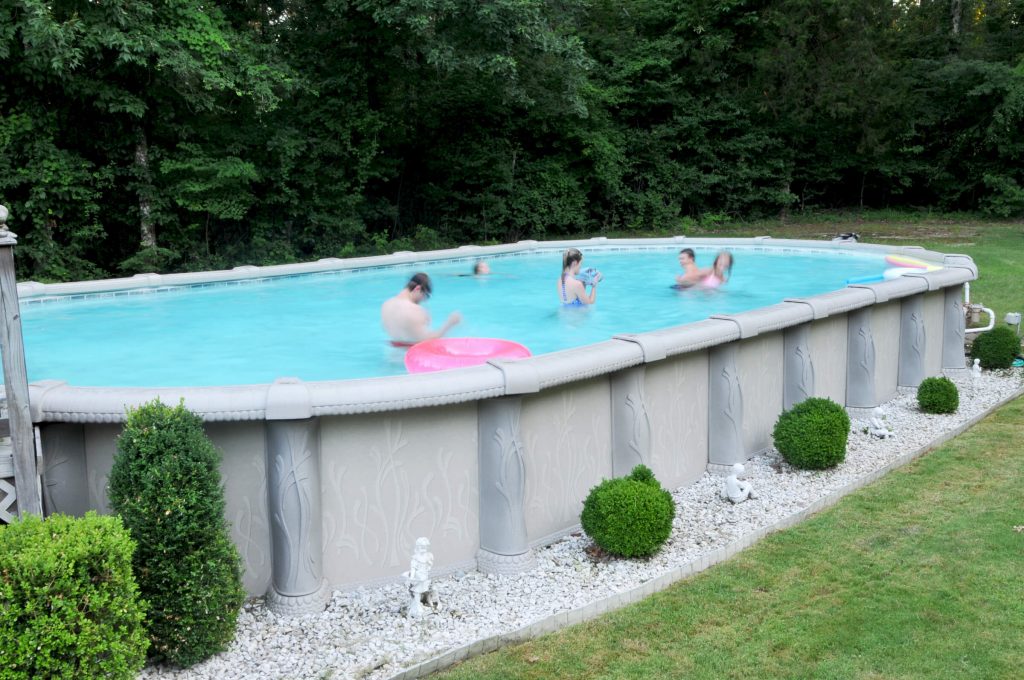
69	605
996	348
629	516
938	395
165	483
812	435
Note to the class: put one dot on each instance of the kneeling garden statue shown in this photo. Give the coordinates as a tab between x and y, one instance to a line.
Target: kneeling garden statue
735	490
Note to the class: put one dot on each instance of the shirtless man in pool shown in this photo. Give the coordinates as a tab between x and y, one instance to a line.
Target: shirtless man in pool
405	321
691	275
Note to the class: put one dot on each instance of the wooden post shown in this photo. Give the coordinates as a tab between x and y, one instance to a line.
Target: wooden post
26	480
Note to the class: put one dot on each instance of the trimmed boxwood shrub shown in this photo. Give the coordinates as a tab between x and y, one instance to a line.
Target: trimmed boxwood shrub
812	435
69	605
996	348
165	484
937	395
629	516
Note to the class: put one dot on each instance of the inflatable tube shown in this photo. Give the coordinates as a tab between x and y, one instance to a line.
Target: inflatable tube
874	278
904	262
443	353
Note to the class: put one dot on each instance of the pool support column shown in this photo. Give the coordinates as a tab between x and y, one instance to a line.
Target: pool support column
912	342
798	366
504	548
725	409
953	326
631	423
297	583
860	360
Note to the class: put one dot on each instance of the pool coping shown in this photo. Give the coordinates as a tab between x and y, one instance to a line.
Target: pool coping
564	619
290	398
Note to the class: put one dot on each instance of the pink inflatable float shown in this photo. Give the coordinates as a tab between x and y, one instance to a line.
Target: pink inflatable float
441	353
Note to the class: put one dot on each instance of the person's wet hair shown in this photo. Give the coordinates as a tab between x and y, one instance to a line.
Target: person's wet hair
422	280
689	251
569	256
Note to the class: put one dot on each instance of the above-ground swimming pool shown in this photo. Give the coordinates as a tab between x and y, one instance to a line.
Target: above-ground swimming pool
326	326
329	482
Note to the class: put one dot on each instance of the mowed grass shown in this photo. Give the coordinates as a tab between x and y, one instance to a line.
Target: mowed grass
920	575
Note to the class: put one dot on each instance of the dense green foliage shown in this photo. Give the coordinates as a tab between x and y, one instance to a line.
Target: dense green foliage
812	435
69	605
629	516
996	348
147	135
165	484
938	395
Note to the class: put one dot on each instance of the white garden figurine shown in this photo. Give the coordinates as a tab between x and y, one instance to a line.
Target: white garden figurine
735	490
878	426
976	369
418	578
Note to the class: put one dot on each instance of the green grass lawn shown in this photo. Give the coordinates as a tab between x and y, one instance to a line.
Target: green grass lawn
920	575
916	576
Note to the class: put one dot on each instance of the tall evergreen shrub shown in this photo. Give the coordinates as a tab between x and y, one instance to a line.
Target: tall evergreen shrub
165	484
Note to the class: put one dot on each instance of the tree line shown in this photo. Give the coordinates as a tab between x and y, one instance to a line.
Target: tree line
164	135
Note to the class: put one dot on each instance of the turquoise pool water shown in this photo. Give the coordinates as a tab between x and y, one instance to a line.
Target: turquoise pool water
327	326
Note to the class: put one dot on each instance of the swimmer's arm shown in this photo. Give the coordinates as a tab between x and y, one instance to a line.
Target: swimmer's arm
592	298
452	320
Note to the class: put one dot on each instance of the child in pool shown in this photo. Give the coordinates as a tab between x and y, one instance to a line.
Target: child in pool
720	270
571	291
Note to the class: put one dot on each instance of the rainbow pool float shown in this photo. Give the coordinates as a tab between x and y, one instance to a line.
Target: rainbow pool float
901	264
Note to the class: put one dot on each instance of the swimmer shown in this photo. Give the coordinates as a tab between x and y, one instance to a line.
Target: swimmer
691	275
571	291
720	270
405	321
481	268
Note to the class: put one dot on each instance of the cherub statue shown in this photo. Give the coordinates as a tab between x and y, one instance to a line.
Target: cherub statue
418	578
976	369
878	427
735	490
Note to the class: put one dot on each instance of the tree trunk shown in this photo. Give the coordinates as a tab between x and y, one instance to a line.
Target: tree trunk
147	230
956	11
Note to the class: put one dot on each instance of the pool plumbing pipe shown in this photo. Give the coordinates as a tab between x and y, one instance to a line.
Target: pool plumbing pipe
974	311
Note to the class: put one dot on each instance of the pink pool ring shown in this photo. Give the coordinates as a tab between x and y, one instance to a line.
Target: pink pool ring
441	353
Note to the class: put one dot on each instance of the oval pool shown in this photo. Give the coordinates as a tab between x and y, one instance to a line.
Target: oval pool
326	326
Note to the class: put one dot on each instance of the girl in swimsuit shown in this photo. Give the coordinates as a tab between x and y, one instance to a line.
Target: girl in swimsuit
720	271
571	292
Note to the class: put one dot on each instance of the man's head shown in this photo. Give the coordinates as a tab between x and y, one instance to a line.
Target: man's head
686	256
419	285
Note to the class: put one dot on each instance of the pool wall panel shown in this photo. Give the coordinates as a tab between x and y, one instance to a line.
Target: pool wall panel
759	364
65	470
100	445
387	479
677	397
934	315
244	474
567	437
828	354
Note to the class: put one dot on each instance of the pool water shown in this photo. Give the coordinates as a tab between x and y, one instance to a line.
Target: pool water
327	326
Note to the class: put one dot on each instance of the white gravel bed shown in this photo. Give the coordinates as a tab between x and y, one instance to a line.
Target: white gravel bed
362	634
